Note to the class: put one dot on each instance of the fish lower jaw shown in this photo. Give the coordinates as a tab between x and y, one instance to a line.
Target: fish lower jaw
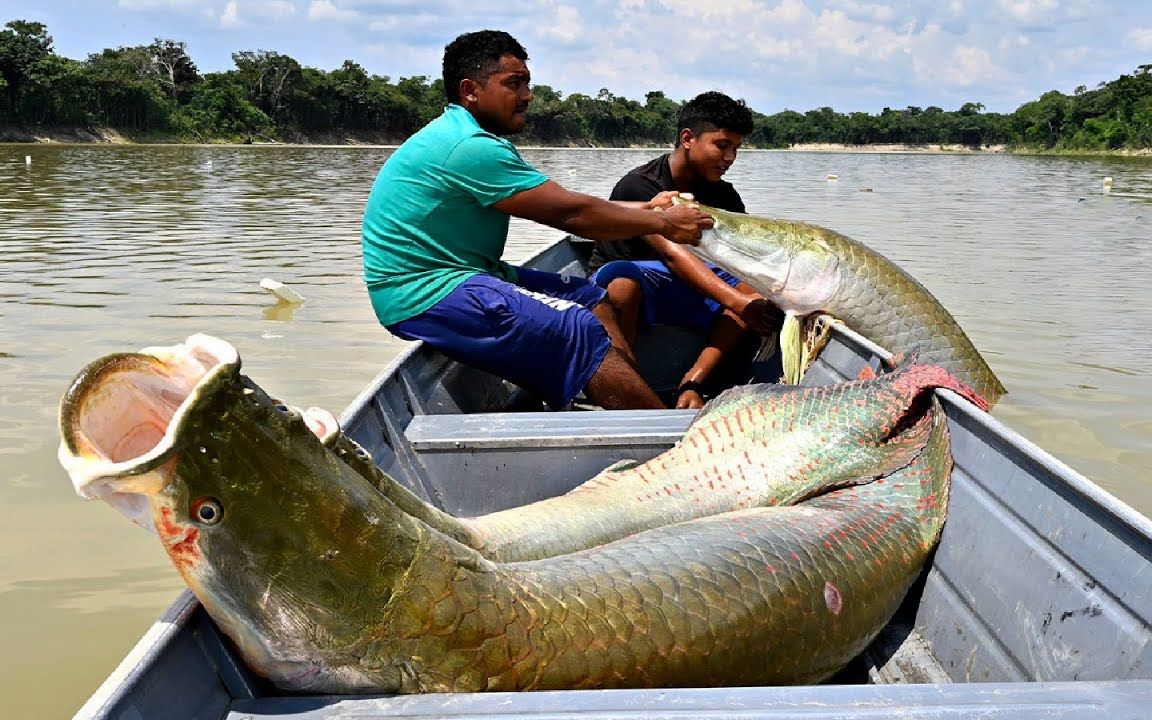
314	676
120	418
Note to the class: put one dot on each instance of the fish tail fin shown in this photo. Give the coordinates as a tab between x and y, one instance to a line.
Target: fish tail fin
911	380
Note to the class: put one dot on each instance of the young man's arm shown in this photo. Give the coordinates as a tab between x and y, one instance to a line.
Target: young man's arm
756	312
753	310
591	217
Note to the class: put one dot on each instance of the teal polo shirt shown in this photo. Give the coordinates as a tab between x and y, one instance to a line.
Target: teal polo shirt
429	224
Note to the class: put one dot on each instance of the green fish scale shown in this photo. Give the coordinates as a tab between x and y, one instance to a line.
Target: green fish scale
874	296
766	595
755	446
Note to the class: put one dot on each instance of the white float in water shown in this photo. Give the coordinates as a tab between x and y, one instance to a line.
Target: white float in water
1108	184
282	291
27	159
833	177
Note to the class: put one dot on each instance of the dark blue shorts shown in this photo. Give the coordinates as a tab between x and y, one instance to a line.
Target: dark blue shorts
539	334
667	300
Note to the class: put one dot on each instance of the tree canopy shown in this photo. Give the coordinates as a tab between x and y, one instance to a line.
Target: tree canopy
157	90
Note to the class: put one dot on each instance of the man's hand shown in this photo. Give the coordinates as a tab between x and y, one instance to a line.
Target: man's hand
759	315
663	200
684	223
689	400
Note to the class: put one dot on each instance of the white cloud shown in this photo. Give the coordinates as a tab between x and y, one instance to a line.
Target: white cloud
621	64
1140	38
261	9
848	54
733	9
272	9
405	22
321	10
565	25
970	66
163	4
1030	12
868	12
230	18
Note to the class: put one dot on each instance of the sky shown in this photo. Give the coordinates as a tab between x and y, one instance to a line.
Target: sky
776	54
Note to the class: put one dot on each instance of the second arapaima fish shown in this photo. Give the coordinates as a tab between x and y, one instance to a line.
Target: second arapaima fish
325	585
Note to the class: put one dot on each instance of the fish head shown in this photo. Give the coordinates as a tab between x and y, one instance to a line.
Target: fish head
269	529
787	262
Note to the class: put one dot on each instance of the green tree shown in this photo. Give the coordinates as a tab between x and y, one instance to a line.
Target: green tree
23	44
218	106
1041	122
173	68
124	92
268	79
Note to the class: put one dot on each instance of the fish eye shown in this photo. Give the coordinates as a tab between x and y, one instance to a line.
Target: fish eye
207	511
285	409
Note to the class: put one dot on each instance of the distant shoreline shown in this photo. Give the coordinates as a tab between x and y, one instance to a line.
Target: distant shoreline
111	136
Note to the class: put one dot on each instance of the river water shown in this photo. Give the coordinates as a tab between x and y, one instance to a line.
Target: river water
110	249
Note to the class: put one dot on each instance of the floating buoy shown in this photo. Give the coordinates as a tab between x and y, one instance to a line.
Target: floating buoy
1108	184
282	291
27	159
833	177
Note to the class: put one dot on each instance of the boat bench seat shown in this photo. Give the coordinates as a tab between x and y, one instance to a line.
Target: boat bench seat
467	459
554	429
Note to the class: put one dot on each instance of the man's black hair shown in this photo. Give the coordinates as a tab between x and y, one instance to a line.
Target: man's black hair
711	111
476	55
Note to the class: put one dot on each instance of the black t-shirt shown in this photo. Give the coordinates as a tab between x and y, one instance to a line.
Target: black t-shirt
643	184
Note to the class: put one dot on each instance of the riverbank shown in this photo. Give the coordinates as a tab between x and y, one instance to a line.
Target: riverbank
898	148
112	136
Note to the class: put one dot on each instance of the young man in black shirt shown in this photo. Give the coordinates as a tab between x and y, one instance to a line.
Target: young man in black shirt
653	280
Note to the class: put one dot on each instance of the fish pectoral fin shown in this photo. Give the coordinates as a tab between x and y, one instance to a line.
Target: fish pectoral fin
791	349
817	332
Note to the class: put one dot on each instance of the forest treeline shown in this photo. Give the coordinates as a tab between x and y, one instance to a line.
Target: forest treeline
155	91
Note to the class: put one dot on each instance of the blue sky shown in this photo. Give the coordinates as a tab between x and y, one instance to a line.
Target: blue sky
777	54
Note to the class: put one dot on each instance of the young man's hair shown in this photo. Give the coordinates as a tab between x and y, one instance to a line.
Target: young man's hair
475	56
711	111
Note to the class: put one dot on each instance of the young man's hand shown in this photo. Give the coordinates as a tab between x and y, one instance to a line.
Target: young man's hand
689	400
759	315
664	199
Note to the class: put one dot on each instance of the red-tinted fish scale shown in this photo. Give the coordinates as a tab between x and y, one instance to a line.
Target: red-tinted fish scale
736	451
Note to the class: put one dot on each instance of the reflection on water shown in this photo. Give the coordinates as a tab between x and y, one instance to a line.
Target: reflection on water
110	249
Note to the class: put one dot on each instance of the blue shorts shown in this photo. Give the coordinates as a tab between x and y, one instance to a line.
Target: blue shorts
667	300
539	334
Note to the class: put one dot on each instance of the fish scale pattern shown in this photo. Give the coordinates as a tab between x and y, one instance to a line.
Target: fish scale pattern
754	446
766	595
867	291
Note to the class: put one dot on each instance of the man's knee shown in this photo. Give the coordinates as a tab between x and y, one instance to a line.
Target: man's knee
625	289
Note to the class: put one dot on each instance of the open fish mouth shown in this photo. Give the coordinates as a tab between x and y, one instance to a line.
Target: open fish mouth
120	418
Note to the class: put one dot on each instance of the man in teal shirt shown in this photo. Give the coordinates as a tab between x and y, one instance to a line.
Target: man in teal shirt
436	224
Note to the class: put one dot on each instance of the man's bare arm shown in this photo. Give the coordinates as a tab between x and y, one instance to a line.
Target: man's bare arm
753	310
591	217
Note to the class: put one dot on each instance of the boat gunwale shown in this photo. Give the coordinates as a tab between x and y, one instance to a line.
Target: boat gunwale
1104	500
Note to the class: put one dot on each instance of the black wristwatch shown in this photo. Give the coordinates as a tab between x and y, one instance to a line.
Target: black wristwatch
687	385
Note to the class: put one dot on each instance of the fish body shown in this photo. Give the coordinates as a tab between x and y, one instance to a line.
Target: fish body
752	446
326	585
805	269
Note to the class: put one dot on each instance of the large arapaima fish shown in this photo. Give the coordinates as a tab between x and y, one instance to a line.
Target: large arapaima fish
326	585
